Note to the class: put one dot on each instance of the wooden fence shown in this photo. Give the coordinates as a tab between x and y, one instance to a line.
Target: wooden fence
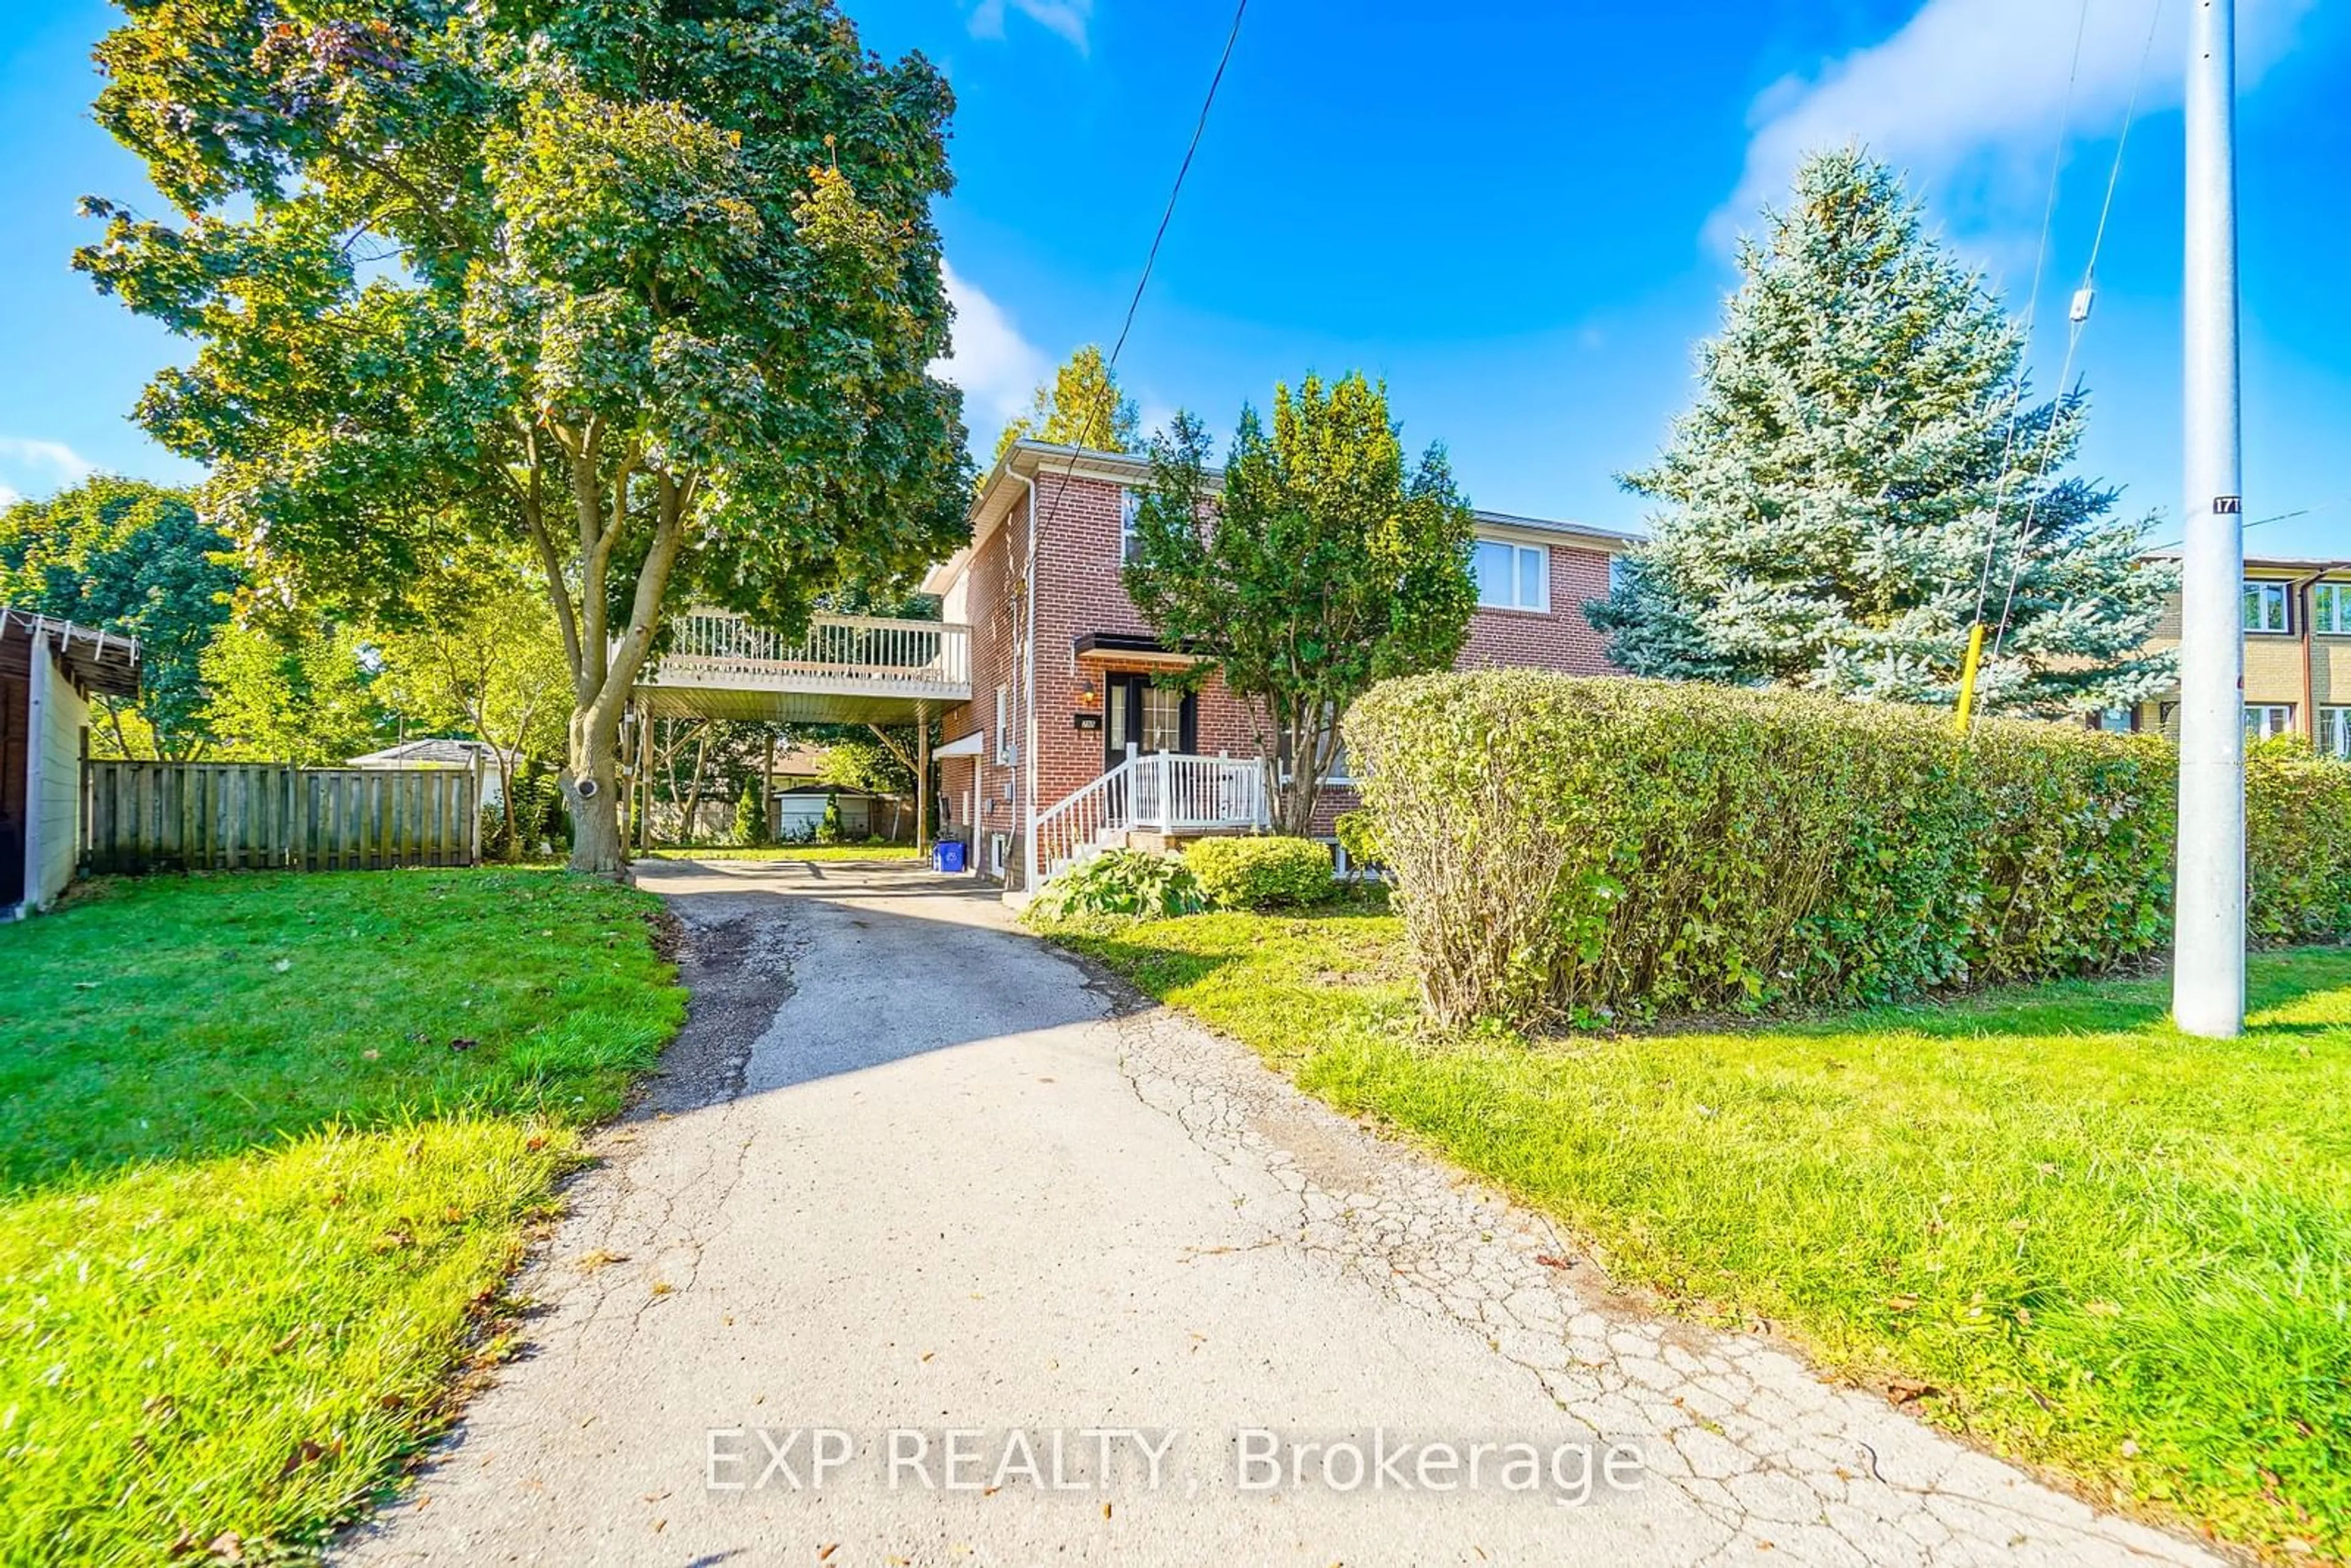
246	816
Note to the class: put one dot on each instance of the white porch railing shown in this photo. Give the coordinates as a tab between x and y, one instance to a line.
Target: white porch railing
1162	792
713	644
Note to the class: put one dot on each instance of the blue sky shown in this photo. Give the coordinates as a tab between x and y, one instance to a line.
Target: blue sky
1518	214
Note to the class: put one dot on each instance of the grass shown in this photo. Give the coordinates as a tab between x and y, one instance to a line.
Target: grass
270	1146
2100	1246
794	852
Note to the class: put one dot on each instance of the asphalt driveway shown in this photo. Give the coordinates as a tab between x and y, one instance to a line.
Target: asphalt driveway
924	1250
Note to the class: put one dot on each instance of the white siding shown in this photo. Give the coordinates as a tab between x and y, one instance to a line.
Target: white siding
53	758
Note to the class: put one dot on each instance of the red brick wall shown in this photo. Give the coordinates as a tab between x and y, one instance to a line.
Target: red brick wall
1080	590
1560	639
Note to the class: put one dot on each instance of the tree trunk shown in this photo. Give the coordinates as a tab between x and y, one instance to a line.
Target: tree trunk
590	788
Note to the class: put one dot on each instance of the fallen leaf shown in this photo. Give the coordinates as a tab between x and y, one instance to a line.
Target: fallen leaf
1906	1390
461	1042
228	1546
1548	1261
824	1553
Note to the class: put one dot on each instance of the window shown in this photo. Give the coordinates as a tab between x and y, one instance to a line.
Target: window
2117	720
2335	731
1129	545
2265	607
1619	573
2330	609
2266	721
1511	576
1163	719
1341	773
1004	751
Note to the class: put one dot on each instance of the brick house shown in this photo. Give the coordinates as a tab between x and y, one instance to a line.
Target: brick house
2298	622
1089	740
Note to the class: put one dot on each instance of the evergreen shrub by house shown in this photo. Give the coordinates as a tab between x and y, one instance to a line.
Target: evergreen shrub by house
1585	849
1260	872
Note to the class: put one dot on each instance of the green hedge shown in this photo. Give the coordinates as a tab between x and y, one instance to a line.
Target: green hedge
1593	849
1260	874
2297	843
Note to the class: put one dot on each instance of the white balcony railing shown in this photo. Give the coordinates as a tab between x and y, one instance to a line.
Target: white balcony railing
711	646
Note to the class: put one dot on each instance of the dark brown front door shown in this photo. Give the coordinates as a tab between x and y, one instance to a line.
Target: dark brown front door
1149	717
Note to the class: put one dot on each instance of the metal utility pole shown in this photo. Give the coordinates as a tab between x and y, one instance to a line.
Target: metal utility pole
2207	984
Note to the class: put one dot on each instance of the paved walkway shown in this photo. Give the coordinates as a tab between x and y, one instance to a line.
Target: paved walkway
908	1171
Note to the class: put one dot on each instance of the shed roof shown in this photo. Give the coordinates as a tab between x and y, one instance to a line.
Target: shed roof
97	659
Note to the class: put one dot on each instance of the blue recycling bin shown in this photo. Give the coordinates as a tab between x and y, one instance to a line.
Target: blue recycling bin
947	856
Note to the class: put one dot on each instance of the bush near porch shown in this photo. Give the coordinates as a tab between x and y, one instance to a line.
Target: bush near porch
1261	873
1604	849
270	1146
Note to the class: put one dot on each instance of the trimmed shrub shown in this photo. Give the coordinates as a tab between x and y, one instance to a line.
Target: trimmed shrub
1359	839
2297	843
750	816
1593	848
1134	883
1260	872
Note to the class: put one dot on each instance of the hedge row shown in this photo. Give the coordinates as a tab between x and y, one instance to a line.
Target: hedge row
1589	849
2297	844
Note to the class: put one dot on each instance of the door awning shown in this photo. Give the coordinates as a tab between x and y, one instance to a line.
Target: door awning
1121	650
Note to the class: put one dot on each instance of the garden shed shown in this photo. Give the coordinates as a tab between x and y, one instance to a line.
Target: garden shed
799	812
49	671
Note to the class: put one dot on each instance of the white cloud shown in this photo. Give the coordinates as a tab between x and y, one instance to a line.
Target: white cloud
8	497
1066	17
33	455
1967	96
997	368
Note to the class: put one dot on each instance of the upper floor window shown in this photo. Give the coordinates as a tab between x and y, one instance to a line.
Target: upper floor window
1511	576
2330	608
1129	543
2265	607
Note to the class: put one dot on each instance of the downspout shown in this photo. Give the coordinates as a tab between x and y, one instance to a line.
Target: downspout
1027	760
2304	596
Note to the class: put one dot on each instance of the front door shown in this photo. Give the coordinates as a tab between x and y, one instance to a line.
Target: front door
1150	717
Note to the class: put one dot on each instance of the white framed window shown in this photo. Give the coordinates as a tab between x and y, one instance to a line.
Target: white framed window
999	846
2265	607
2266	721
1129	545
1004	751
2117	720
1511	576
2335	731
2330	609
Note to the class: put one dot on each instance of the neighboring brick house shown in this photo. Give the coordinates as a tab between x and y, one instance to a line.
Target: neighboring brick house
1101	676
2297	621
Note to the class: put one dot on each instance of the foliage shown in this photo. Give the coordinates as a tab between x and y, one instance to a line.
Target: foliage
828	826
1260	872
261	1189
1083	407
751	815
648	292
293	690
1358	833
2297	843
2096	1243
132	558
1324	565
866	763
1827	504
477	652
1120	884
1587	849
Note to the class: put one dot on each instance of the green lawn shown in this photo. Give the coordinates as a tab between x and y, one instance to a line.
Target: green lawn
795	852
270	1149
2105	1247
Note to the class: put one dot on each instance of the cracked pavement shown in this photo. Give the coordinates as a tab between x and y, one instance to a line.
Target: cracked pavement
908	1169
